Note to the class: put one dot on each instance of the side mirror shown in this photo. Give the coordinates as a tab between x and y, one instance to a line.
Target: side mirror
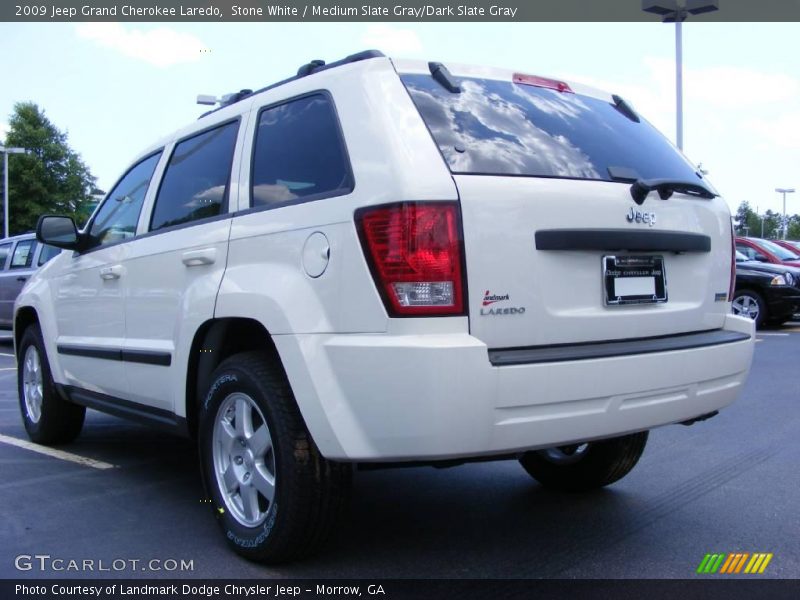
761	258
58	231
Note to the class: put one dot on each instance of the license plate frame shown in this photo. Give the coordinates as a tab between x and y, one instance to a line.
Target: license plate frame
635	279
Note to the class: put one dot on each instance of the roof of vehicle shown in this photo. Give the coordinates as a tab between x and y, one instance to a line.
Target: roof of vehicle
484	72
21	236
238	104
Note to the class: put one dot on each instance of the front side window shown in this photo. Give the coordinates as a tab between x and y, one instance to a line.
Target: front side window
195	185
47	253
299	153
23	254
116	220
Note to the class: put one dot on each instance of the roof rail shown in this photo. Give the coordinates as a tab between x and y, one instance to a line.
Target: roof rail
315	66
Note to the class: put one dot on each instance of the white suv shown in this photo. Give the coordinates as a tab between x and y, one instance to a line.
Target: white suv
382	261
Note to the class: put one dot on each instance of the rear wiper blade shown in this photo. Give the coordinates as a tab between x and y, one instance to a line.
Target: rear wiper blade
666	187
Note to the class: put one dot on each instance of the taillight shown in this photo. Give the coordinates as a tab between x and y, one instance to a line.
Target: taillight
415	254
542	82
733	265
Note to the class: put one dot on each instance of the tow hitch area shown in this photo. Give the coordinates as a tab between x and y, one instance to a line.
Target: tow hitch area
704	417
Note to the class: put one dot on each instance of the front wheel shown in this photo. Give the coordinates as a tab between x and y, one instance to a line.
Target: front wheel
274	495
749	304
587	466
48	418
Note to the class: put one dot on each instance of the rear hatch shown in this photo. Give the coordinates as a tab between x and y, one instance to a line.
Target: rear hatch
557	249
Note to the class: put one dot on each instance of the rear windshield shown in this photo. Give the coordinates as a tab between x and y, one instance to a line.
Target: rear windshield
504	128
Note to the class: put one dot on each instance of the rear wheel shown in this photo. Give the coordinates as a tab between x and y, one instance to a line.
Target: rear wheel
48	418
587	466
750	304
275	496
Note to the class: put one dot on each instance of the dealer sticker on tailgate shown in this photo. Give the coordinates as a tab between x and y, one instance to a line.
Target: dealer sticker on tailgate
634	280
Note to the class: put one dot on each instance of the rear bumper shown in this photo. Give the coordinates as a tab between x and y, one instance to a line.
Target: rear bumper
428	397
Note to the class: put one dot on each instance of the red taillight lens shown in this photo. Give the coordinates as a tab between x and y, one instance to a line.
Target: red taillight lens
733	265
542	82
415	250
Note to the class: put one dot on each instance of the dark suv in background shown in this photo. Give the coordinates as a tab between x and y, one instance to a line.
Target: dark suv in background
765	292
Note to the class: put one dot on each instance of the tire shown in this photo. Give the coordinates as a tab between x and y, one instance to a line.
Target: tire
748	303
282	497
585	467
48	418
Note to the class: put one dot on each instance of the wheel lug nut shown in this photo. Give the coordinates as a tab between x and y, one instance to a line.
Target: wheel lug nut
238	460
246	476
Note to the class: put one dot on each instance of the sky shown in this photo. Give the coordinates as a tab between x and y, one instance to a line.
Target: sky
118	87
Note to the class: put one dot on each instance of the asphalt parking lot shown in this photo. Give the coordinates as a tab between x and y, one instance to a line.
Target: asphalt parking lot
727	485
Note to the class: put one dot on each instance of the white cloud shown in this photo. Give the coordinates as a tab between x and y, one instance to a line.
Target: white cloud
719	94
725	86
162	47
3	131
782	131
392	40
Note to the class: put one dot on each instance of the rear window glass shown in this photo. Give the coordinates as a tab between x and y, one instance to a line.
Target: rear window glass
503	128
4	250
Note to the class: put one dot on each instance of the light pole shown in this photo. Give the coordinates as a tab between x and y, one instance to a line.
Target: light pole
677	11
6	151
784	191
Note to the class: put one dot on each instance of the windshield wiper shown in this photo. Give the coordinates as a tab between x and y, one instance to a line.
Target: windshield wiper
666	187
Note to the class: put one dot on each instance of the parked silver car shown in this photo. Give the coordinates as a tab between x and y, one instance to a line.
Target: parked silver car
20	256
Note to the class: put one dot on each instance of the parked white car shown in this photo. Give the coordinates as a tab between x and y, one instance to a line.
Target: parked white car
383	261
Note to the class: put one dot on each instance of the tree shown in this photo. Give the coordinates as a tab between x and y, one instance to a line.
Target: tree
749	223
51	178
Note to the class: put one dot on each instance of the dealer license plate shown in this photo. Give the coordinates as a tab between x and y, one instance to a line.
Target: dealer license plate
634	280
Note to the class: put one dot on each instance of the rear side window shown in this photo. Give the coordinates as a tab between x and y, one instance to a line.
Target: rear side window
299	153
116	219
195	184
23	254
47	253
504	128
4	250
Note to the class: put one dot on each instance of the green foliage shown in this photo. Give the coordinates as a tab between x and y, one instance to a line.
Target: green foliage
750	223
51	178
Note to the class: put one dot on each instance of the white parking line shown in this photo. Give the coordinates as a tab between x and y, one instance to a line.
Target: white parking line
9	369
5	354
68	456
775	334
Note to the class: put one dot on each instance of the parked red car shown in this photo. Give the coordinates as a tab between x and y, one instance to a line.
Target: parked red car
790	245
767	251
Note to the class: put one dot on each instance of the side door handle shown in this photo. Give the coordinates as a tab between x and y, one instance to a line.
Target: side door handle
108	273
22	278
196	258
